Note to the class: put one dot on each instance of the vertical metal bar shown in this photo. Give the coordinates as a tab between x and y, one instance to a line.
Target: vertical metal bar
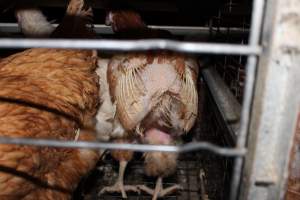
255	30
275	106
244	124
256	22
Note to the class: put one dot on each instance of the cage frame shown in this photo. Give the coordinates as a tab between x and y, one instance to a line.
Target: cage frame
276	98
257	182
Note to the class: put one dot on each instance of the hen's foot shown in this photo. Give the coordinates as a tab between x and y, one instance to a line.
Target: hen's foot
120	188
159	192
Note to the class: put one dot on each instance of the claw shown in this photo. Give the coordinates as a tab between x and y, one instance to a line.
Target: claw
159	192
119	188
119	185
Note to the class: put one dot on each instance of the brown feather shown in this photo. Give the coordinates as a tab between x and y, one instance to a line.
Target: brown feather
160	164
34	172
51	78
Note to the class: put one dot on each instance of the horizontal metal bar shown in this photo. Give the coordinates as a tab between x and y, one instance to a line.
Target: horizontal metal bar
176	30
226	102
195	146
131	45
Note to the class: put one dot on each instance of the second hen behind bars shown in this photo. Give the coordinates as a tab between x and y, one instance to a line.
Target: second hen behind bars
156	99
49	94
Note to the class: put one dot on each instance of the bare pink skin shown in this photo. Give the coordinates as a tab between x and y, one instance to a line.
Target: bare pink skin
155	136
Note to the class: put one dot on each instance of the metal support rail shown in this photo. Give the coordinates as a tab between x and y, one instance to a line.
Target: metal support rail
176	30
194	146
227	104
276	105
132	45
254	37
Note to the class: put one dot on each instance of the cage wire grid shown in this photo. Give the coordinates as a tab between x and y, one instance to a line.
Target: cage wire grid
252	50
231	49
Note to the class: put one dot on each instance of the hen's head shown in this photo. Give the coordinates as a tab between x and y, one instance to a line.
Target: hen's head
124	20
159	163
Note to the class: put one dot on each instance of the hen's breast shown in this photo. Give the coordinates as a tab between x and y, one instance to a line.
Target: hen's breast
157	89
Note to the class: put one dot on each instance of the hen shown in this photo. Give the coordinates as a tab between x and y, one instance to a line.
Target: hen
155	94
129	25
49	94
109	127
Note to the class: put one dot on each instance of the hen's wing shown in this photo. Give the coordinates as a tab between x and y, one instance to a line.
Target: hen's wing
138	82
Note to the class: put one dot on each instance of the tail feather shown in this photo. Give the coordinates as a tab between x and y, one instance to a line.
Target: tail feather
75	23
81	9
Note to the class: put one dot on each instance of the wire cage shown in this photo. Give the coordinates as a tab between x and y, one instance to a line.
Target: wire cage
234	155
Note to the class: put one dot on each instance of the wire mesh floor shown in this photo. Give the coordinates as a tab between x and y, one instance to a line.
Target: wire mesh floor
187	175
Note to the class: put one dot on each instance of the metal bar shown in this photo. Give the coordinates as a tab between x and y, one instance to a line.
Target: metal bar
190	147
176	30
244	124
255	31
256	22
227	104
131	45
276	104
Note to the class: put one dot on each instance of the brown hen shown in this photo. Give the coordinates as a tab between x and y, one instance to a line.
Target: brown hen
155	95
48	93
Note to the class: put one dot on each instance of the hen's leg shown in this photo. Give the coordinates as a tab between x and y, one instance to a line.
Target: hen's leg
119	185
159	192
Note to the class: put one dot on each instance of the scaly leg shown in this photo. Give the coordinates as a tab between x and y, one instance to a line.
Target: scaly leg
159	192
119	185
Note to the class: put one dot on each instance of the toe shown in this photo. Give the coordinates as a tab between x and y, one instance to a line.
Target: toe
132	188
145	189
170	190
